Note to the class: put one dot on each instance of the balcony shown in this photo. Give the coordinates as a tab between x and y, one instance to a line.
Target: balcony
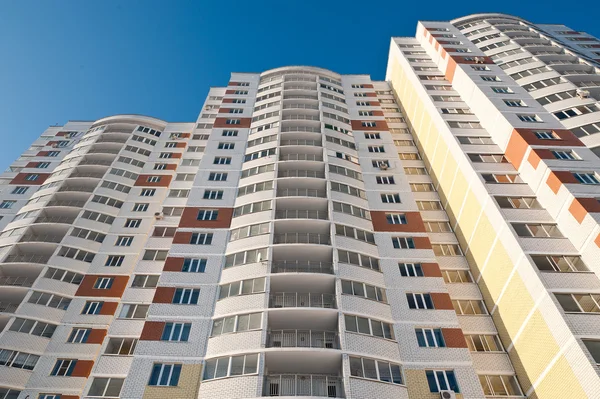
326	386
301	266
301	214
299	97
95	162
50	238
27	258
16	281
310	129
81	189
302	339
301	300
315	143
317	174
87	175
55	219
300	117
301	106
302	238
302	192
301	157
7	307
74	204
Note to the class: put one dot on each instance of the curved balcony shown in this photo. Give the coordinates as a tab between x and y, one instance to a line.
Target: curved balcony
300	97
27	258
97	162
302	339
7	307
301	105
314	385
112	138
50	238
301	173
310	129
301	214
300	117
16	281
301	300
74	204
301	266
314	143
301	157
299	79
302	192
55	219
80	189
302	238
86	175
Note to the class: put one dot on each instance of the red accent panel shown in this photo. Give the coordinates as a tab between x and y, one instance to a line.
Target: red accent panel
20	179
181	144
557	178
109	308
450	68
152	330
173	265
165	180
163	295
222	123
414	223
371	94
82	368
431	270
190	214
441	301
454	338
580	207
368	86
422	242
379	125
182	237
96	336
86	288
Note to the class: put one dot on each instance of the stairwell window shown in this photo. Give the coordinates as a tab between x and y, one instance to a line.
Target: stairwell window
376	148
92	307
148	192
226	146
546	135
515	103
372	136
186	296
165	375
430	337
176	332
194	265
385	179
124	241
79	335
410	269
20	190
391	198
63	367
566	155
201	238
419	301
403	243
222	161
217	176
587	178
369	124
395	218
213	194
441	380
529	118
114	260
32	177
133	223
502	90
103	283
212	214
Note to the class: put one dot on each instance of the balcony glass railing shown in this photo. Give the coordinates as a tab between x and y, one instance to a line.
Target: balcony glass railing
303	385
302	238
315	143
78	188
301	300
55	219
27	258
301	214
300	129
301	157
301	106
300	118
302	339
301	173
301	266
16	281
6	307
302	192
76	204
41	238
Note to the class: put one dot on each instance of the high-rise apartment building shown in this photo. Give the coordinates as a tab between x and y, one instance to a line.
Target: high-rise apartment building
321	235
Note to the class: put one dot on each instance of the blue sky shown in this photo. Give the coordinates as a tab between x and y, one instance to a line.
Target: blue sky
82	60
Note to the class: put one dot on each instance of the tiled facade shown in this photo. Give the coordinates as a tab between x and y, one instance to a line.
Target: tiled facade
319	235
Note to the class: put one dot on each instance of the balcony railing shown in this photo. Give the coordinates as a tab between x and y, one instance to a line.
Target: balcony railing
27	258
55	219
41	238
6	307
300	118
300	129
301	173
300	87
76	204
113	140
303	385
301	300
16	281
103	151
293	79
91	162
299	97
301	106
315	143
302	238
301	266
93	175
302	192
301	214
77	188
301	157
302	339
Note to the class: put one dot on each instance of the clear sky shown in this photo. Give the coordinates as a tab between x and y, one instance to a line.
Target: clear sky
82	60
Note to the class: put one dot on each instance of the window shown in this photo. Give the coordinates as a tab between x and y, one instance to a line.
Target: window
133	311
501	179
229	133
502	90
207	214
252	208
144	281
518	203
106	387
446	250
231	366
19	190
186	296
155	254
421	187
77	254
515	103
356	259
565	155
226	146
457	276
584	178
33	327
483	343
7	204
222	161
238	323
165	375
179	332
385	179
124	241
474	140
469	307
364	290
245	287
395	218
375	370
18	360
43	165
213	194
148	192
488	158
63	367
346	189
490	78
403	243
133	223
201	238
153	179
114	260
103	283
217	176
390	198
430	337
369	124
92	307
121	346
194	265
529	118
419	301
378	148
537	230
372	136
544	135
79	335
441	380
500	385
593	346
249	231
410	269
363	325
559	263
179	193
164	231
357	234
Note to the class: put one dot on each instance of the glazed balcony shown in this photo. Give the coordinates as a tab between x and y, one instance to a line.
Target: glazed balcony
302	192
73	203
302	339
317	174
7	307
28	258
43	218
91	160
301	266
301	214
314	143
300	117
299	128
301	157
308	385
302	238
302	300
49	238
78	188
16	281
119	128
292	105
